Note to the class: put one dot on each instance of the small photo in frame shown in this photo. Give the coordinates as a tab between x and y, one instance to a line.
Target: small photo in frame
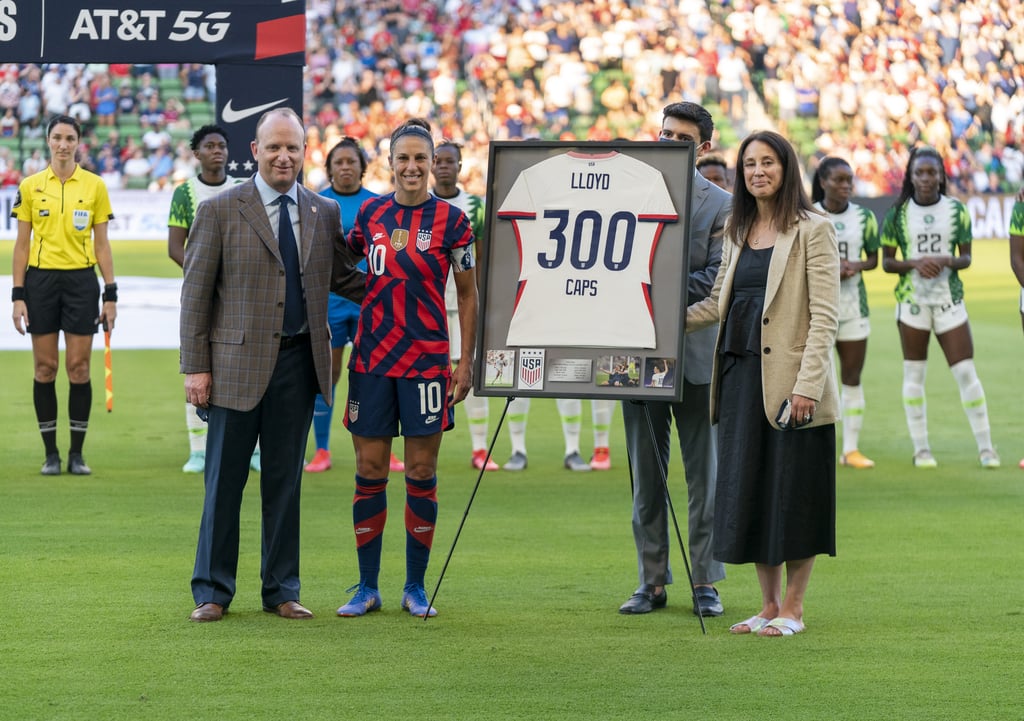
618	371
500	368
659	372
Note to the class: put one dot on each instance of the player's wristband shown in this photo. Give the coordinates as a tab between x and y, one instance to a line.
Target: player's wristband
110	293
17	293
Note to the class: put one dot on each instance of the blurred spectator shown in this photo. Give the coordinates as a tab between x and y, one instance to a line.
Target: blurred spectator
109	167
34	163
137	166
104	100
161	166
152	111
9	125
126	102
193	78
10	90
174	115
154	136
10	174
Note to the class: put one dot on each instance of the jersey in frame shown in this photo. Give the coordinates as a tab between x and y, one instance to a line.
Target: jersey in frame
587	227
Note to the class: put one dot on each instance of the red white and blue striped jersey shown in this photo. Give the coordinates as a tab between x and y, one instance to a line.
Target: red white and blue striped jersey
403	328
587	227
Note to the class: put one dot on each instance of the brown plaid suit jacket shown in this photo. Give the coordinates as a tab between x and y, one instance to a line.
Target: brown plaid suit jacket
232	298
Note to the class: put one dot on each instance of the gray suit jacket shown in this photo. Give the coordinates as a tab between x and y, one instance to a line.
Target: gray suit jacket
232	298
711	206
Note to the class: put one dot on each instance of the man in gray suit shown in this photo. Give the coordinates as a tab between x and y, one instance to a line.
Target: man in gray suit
255	350
708	212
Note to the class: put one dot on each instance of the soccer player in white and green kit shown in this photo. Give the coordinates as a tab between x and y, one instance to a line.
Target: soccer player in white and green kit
1017	252
857	234
932	232
210	146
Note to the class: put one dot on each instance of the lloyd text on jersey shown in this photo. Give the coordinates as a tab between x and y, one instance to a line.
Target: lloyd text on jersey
590	181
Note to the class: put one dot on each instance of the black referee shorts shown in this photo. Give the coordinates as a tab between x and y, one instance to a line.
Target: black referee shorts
66	300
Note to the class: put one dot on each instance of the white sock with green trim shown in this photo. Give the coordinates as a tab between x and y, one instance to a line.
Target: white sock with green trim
972	396
477	411
601	412
853	416
914	405
518	412
571	410
196	430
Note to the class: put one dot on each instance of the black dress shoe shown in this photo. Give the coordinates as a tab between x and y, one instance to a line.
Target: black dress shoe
76	465
708	600
644	600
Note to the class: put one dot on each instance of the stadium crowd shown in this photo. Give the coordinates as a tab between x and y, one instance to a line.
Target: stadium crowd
862	79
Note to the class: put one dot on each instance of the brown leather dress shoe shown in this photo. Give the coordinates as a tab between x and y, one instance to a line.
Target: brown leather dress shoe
290	609
207	612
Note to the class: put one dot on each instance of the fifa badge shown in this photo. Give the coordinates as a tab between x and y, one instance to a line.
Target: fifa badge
80	219
399	238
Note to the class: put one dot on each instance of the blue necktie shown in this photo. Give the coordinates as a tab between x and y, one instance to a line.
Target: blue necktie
294	311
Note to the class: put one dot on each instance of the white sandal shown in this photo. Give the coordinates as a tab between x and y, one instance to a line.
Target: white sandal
753	624
785	627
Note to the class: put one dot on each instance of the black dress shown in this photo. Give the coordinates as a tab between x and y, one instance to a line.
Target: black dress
775	499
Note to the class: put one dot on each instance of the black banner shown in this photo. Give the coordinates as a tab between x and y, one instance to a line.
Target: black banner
244	93
153	31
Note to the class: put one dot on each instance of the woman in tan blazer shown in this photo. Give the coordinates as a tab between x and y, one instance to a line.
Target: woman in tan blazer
773	391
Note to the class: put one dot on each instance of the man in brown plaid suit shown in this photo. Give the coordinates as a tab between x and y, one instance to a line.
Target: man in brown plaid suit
255	350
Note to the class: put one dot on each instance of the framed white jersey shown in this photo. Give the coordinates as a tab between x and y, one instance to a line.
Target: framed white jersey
586	263
587	226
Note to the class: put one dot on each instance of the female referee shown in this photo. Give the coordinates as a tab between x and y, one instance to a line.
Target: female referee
62	215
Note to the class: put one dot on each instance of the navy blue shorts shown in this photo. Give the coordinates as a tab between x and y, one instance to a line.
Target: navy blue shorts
67	300
377	405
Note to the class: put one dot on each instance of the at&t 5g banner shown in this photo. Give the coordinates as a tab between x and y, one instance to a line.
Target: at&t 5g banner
153	31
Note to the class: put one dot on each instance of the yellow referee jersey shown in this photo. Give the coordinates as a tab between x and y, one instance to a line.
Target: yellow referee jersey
62	216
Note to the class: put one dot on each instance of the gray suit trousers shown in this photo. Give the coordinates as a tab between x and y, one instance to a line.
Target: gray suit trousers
697	441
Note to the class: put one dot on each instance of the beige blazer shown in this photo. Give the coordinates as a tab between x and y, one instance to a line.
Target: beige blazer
799	321
232	298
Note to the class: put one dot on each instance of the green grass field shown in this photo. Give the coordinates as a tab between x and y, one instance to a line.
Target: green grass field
918	617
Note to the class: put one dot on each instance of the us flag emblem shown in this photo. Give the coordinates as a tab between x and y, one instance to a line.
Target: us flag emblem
353	410
423	240
531	368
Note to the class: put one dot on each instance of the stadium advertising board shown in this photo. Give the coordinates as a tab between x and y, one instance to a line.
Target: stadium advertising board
138	215
583	281
258	47
153	31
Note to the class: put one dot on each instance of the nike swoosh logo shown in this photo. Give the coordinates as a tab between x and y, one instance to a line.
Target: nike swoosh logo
230	115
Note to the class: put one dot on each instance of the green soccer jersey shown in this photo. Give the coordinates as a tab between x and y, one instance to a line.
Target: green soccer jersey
1017	219
473	207
189	195
920	231
857	235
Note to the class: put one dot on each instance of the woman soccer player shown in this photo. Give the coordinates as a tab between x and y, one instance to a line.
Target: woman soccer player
857	233
932	232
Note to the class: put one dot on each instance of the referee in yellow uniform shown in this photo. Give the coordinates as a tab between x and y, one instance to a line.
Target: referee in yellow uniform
62	215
